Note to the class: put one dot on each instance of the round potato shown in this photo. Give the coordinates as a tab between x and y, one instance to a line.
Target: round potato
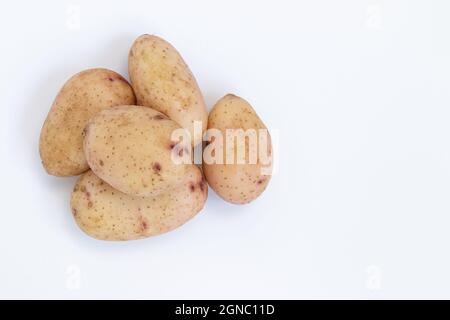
131	148
83	95
108	214
237	171
162	80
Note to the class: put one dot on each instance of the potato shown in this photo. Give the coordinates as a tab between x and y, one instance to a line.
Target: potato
130	147
83	95
163	81
107	214
237	181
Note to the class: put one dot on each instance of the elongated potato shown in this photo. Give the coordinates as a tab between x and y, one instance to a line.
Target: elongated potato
130	147
108	214
83	95
237	177
162	80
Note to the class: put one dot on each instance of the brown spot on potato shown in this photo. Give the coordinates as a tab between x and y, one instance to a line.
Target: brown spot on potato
101	163
90	204
159	117
143	225
111	79
156	167
202	185
74	212
192	187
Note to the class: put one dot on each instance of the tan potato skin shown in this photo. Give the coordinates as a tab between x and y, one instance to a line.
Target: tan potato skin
236	183
83	95
107	214
130	148
162	80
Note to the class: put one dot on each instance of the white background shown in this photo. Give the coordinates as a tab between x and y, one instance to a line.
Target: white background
359	208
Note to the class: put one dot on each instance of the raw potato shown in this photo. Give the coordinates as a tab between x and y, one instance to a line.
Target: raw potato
83	95
107	214
162	80
237	183
130	147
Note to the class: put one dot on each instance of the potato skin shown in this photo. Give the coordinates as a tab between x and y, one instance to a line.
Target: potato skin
162	80
236	183
107	214
82	96
130	148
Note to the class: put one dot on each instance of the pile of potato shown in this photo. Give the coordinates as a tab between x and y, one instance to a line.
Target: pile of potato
119	138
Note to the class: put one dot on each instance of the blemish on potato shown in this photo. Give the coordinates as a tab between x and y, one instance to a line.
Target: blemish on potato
202	185
159	117
156	167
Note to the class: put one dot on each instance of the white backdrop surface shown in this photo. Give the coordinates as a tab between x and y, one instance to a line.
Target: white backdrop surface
359	206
